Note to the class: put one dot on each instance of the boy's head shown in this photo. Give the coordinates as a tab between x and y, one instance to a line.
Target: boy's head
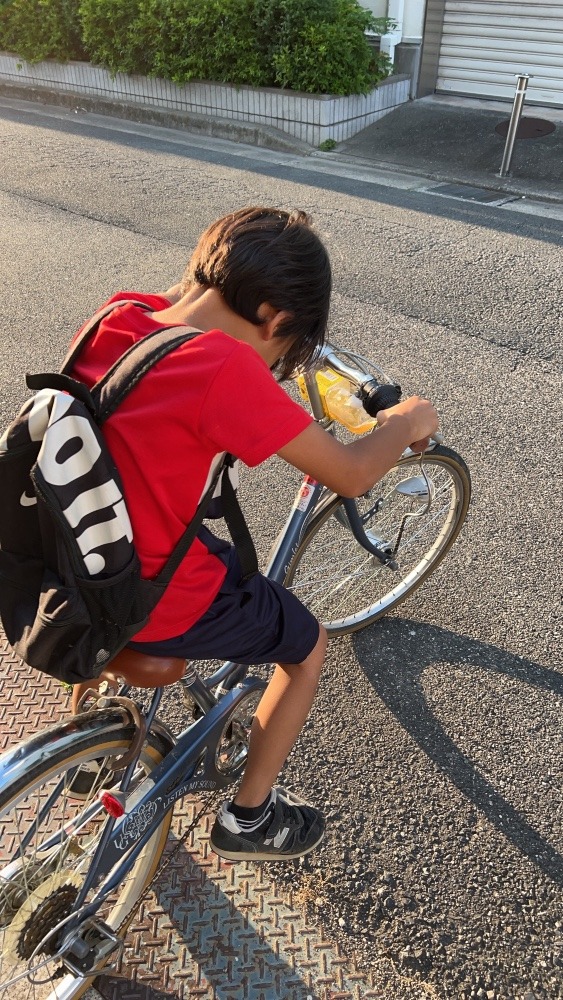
265	255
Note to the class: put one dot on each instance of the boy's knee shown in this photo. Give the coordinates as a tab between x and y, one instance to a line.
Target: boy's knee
323	639
316	657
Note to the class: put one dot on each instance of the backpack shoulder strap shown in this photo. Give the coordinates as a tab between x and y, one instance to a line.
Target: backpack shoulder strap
236	524
130	368
90	329
113	388
146	357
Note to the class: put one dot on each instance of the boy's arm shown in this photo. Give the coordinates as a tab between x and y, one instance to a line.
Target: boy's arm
352	469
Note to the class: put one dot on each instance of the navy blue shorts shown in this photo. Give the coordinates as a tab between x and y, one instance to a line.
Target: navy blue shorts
257	621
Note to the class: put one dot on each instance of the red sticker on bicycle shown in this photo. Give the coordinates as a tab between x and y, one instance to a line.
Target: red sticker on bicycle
304	497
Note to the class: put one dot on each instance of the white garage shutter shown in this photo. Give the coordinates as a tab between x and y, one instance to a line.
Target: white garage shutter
485	44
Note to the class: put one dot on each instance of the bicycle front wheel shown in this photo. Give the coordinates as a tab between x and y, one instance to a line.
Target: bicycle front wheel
40	878
345	586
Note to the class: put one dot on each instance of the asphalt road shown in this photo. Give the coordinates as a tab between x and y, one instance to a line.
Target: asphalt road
435	741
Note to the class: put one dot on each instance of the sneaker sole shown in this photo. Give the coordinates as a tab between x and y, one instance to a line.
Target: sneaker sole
262	855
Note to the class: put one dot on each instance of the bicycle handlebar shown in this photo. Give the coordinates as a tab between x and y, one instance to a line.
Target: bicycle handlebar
374	395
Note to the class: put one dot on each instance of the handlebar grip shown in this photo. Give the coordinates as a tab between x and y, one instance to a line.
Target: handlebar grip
380	397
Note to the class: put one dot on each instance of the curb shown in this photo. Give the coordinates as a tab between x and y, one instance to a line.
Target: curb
219	128
515	187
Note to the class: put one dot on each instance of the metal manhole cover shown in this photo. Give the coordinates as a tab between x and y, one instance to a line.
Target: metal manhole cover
529	128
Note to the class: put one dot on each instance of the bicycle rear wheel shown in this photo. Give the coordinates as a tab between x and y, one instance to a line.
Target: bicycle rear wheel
344	586
38	887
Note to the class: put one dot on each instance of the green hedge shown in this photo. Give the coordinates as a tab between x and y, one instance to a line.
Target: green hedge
321	47
316	46
178	40
42	29
110	29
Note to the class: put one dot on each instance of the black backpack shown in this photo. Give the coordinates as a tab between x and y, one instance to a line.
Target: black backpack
71	593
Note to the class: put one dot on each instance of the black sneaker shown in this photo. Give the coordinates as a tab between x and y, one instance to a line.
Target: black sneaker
291	830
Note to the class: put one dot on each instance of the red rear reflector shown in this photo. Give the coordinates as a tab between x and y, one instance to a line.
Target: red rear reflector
112	804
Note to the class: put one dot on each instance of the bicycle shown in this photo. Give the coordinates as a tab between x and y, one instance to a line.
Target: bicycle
73	871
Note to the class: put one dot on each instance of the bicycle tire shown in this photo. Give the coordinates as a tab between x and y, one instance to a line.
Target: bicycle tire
330	572
36	892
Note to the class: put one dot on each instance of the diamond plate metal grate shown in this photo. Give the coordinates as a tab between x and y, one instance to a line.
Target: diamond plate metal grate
224	932
208	930
29	701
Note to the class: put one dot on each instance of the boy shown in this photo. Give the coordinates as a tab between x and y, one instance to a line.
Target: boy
258	284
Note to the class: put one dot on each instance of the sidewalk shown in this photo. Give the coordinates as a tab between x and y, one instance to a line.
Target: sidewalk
454	139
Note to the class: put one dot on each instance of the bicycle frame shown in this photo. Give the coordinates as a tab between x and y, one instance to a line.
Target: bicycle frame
189	768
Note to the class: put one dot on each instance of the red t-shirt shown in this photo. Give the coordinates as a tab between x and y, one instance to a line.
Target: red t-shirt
212	395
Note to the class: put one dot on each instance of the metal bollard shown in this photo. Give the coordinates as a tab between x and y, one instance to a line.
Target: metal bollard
521	85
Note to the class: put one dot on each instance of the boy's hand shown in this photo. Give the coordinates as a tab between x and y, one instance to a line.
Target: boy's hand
422	416
351	469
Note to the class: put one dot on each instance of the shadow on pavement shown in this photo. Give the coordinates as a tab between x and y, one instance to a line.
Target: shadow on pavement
400	689
116	986
486	216
209	929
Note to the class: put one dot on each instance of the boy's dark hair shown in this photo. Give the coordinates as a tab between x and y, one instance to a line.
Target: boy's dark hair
258	255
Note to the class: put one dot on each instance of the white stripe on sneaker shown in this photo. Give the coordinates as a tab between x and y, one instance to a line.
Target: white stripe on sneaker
279	838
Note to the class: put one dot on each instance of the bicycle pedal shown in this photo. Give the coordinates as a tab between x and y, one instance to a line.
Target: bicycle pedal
90	947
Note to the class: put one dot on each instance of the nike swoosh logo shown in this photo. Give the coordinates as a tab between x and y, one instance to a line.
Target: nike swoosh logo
26	501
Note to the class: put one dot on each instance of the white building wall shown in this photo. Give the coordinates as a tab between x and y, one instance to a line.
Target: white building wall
413	24
377	7
413	18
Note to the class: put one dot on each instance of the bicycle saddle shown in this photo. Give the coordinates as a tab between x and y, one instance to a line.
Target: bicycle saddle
142	670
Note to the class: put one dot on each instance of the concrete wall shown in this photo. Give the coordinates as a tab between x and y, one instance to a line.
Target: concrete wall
310	118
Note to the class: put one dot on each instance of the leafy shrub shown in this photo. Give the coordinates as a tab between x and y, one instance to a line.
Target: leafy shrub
110	29
320	46
41	29
204	40
317	46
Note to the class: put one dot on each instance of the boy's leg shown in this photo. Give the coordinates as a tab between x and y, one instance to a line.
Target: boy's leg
279	719
262	822
259	621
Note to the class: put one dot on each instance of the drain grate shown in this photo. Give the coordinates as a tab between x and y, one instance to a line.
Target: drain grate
528	128
464	192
